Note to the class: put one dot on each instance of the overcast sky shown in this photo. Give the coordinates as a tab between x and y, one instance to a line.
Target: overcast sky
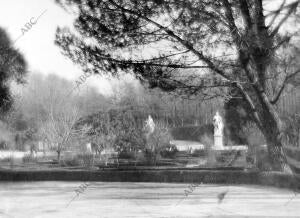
37	45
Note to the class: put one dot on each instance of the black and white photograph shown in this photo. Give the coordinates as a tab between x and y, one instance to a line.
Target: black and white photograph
149	108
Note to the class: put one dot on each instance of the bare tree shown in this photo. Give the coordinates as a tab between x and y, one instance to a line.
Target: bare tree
53	110
157	140
59	128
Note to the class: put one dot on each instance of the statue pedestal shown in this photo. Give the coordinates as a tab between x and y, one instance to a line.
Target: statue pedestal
218	142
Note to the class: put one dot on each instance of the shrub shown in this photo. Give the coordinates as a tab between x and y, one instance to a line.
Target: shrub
262	159
208	142
72	162
140	157
226	157
127	155
221	158
254	136
199	153
151	156
87	160
28	158
156	141
169	151
292	130
250	160
192	133
3	145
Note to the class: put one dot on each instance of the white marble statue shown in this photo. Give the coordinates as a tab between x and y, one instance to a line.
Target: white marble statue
218	124
88	147
150	125
218	131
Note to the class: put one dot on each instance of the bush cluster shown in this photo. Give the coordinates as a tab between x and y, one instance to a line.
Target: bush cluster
28	158
169	151
85	160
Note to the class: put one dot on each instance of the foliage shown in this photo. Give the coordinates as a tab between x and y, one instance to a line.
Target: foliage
6	136
84	160
71	162
130	136
292	130
119	129
235	119
28	158
127	155
156	142
192	133
45	108
208	143
59	127
227	157
263	162
12	67
87	160
3	145
168	151
254	137
204	48
199	153
43	93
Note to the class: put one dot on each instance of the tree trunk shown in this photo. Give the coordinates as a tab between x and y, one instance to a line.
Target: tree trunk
272	130
269	122
275	152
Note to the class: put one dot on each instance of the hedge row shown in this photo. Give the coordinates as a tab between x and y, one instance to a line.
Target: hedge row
166	176
192	133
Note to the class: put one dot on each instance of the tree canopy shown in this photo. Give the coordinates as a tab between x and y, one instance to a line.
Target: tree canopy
12	68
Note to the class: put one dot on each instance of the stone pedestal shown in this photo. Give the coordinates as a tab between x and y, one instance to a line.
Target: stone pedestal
218	142
88	148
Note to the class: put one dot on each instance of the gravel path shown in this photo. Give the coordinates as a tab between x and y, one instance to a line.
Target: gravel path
153	200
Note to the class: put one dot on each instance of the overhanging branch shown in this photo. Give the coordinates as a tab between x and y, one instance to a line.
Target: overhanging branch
185	43
277	96
291	8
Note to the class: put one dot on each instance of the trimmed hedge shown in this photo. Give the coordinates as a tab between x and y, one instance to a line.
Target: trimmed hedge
192	133
166	176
